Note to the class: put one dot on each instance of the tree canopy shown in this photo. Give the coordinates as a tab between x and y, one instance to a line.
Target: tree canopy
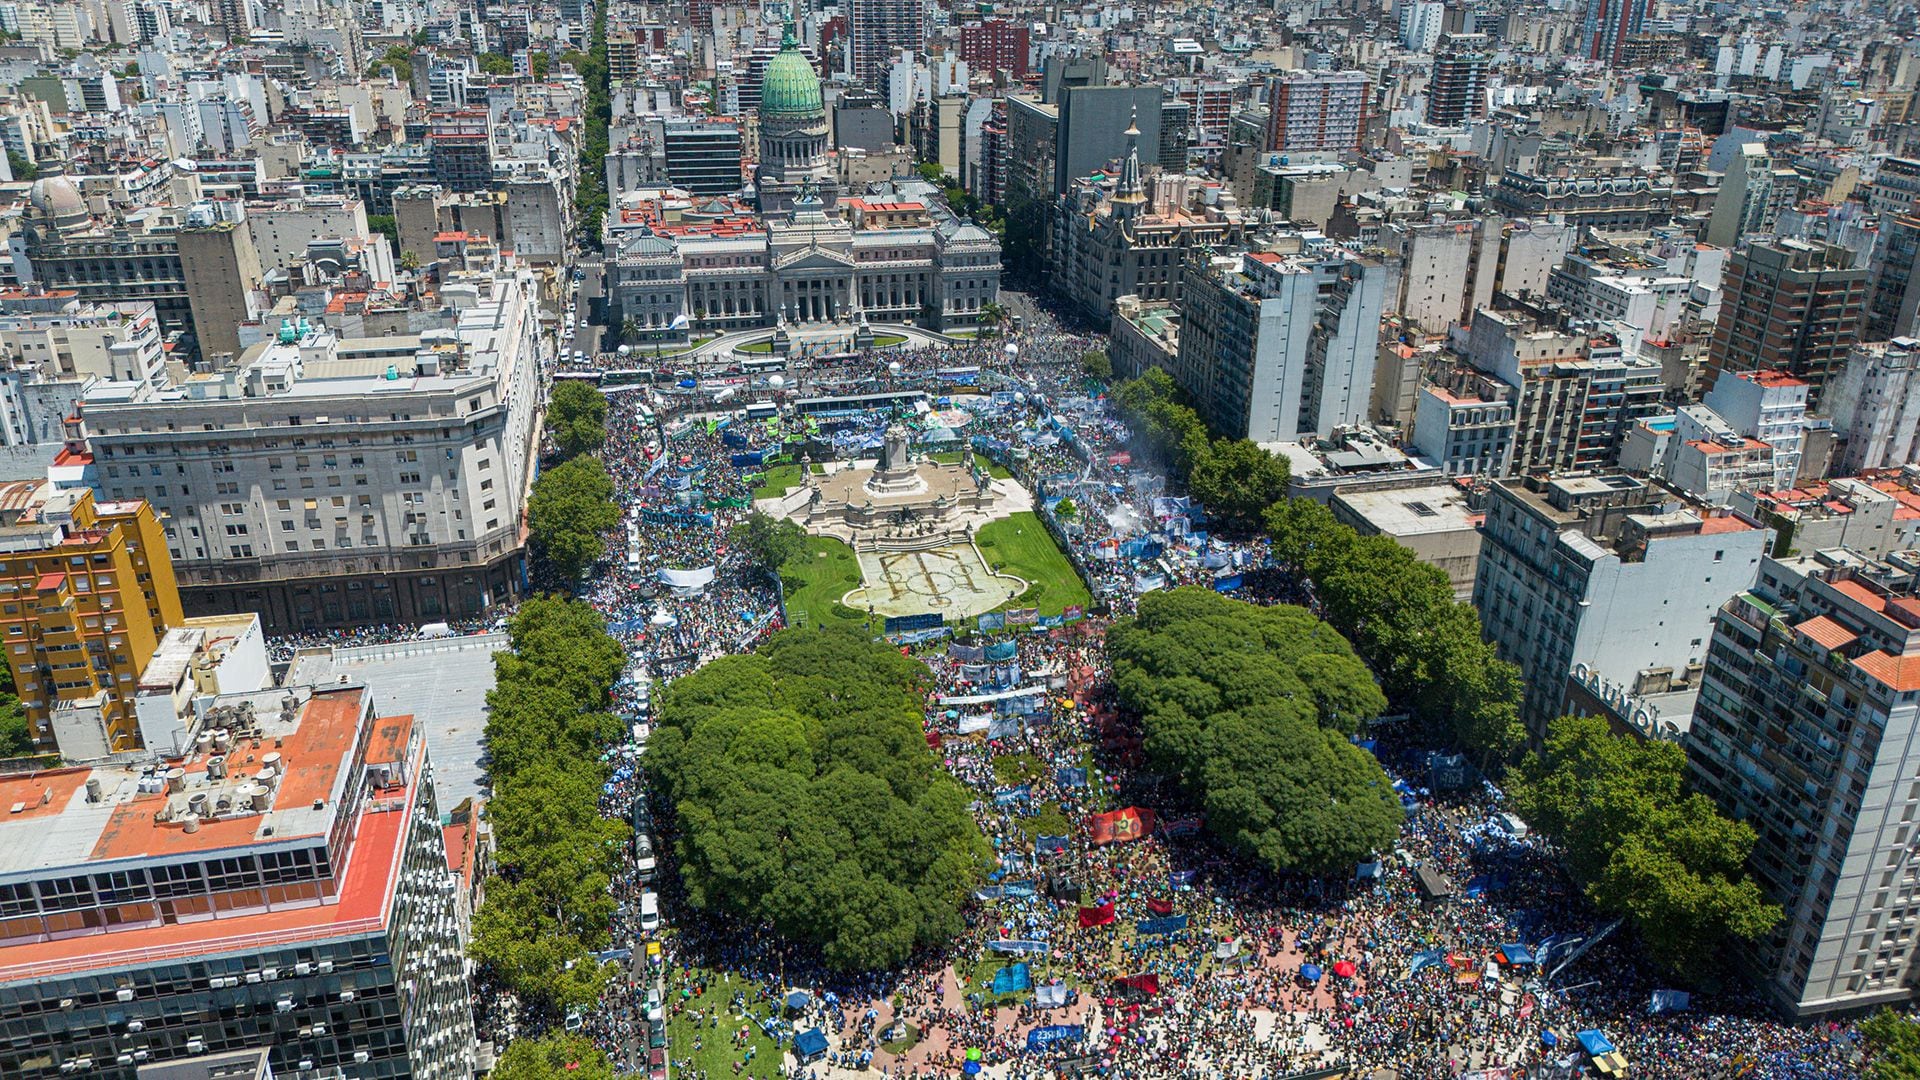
1233	479
492	63
571	505
1251	708
1165	424
1236	481
1893	1046
769	541
577	417
1401	616
1097	364
1639	843
547	904
807	798
553	1056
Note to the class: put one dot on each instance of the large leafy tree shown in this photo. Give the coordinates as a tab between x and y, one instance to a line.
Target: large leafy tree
1401	616
1251	708
1236	481
571	505
1640	844
807	798
769	541
554	1056
1893	1046
1163	423
577	417
16	738
548	904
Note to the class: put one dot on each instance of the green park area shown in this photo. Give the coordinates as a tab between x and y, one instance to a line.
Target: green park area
715	1056
1020	545
780	479
952	457
817	578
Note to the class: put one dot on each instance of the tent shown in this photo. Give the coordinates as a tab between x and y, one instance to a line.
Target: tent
809	1046
1310	972
798	999
1516	954
1594	1043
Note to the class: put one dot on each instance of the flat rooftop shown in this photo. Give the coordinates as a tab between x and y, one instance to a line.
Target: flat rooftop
1413	511
363	901
280	782
442	683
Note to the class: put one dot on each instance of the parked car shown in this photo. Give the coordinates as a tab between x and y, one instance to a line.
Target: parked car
649	911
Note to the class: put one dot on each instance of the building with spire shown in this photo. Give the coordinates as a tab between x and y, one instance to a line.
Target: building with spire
1121	235
798	251
793	132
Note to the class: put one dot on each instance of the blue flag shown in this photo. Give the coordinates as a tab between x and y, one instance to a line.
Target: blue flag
1012	980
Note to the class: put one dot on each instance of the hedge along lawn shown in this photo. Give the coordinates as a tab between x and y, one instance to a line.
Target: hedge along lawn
1020	545
816	579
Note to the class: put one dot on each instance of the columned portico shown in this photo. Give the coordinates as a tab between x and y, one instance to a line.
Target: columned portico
818	299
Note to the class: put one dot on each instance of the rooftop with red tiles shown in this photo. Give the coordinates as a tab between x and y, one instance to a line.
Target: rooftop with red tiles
1826	633
1901	673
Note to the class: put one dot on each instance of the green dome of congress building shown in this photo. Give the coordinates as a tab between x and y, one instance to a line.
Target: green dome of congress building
793	133
790	87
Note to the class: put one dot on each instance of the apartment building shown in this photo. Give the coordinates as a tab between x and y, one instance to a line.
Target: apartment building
1318	111
1600	578
1806	729
282	884
1275	346
328	482
1790	306
87	591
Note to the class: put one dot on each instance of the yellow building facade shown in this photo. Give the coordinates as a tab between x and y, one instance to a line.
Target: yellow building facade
86	593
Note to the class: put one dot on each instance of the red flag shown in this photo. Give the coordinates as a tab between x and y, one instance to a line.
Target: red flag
1160	907
1120	826
1097	916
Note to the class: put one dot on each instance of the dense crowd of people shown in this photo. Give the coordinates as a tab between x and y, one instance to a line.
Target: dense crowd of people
1160	955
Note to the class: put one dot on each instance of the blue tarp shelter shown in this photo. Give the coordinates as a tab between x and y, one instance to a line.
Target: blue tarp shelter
1310	972
1594	1043
1516	953
1012	979
809	1046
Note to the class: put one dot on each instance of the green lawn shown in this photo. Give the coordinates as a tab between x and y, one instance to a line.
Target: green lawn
716	1054
777	481
1021	546
756	347
882	341
817	579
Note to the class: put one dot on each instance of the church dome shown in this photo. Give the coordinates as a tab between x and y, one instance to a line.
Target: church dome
56	200
790	88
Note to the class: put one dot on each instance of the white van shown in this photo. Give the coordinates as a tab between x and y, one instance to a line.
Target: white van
649	911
